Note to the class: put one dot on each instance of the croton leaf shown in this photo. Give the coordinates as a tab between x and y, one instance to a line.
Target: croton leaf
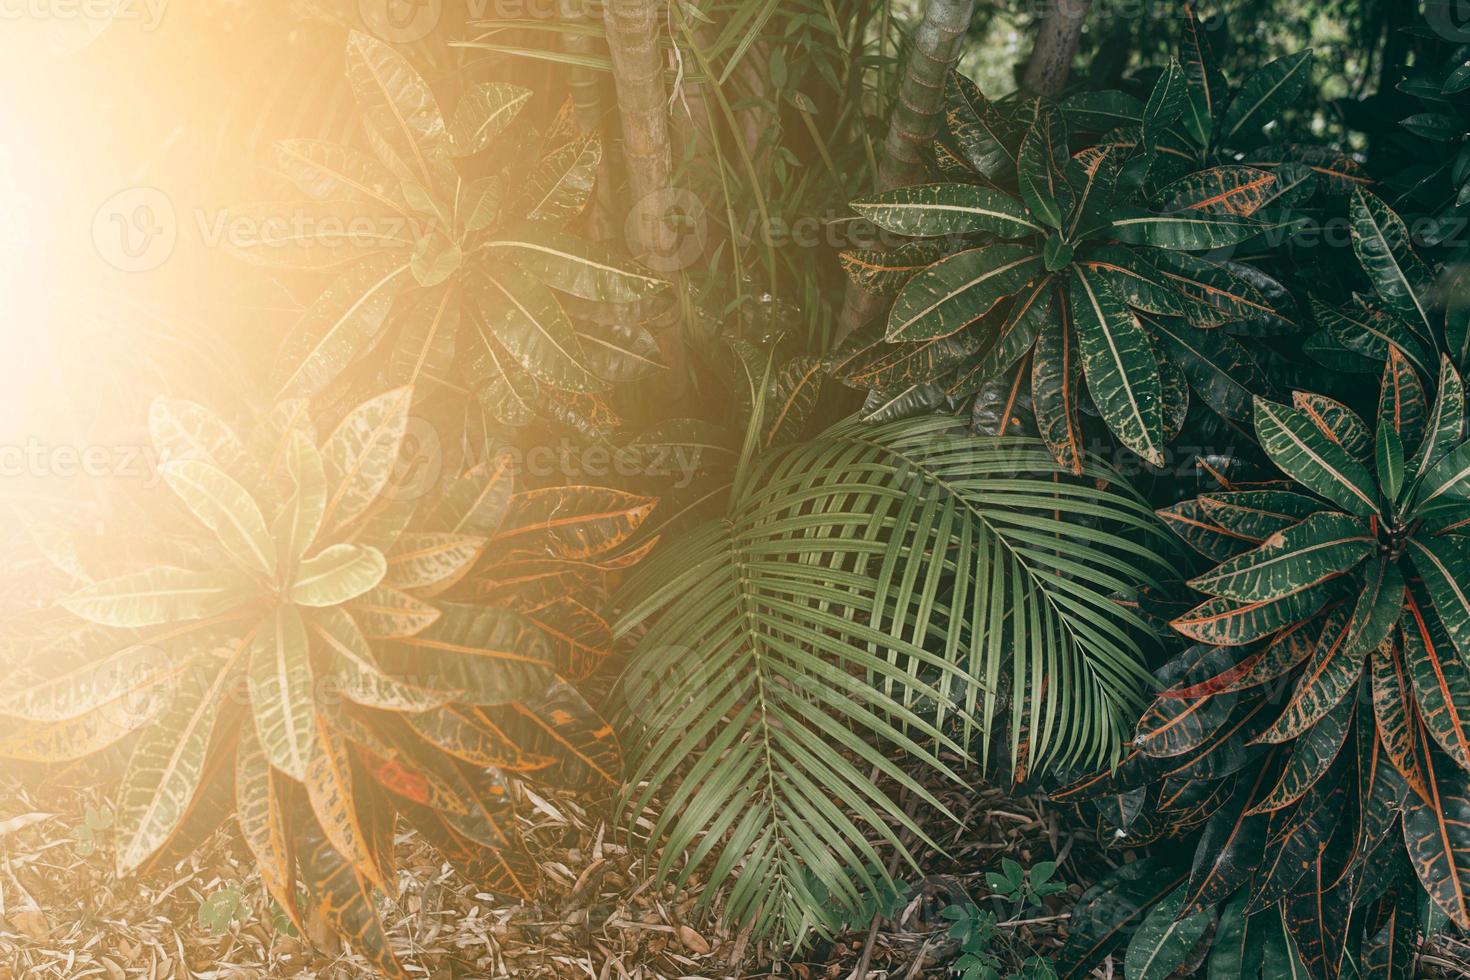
1316	915
338	573
1437	834
360	455
1110	911
1402	405
1337	422
1056	375
1383	246
959	290
524	318
574	266
1164	941
281	692
399	107
1166	103
1298	447
1230	189
1445	428
158	595
1183	230
1440	680
1041	169
1296	835
1230	622
1332	672
1299	557
1396	716
1121	365
263	806
345	898
340	324
338	800
166	766
483	113
936	210
979	130
1312	754
1264	92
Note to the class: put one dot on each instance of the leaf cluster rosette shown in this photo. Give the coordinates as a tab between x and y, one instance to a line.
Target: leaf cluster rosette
304	640
451	255
1316	732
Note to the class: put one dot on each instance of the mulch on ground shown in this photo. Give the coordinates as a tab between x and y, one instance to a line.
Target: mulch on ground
65	914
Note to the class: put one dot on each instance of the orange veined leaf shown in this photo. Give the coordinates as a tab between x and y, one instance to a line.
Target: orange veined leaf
282	694
1312	754
569	522
1286	650
429	563
1337	422
1401	401
1437	835
1230	189
500	865
353	666
469	733
1229	622
580	639
167	765
360	456
84	735
1439	679
1396	717
262	808
490	655
559	723
212	803
344	898
335	797
417	784
270	441
475	502
1333	671
94	676
386	614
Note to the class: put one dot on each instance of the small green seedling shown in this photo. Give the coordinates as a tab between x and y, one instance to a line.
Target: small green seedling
1015	884
86	836
222	909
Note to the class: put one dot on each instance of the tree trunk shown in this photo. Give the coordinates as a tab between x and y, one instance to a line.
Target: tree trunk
1056	46
589	105
913	123
915	117
638	76
632	41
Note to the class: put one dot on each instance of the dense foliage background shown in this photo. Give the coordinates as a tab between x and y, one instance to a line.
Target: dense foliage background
767	424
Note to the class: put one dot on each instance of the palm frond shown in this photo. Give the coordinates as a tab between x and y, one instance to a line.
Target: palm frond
872	600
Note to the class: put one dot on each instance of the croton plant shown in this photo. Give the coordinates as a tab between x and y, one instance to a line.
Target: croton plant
450	253
309	643
1086	266
1318	728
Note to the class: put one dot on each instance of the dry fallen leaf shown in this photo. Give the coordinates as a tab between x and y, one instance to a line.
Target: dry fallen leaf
322	936
32	923
693	941
20	822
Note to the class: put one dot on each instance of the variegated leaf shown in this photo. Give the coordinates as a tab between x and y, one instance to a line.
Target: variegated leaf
281	691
